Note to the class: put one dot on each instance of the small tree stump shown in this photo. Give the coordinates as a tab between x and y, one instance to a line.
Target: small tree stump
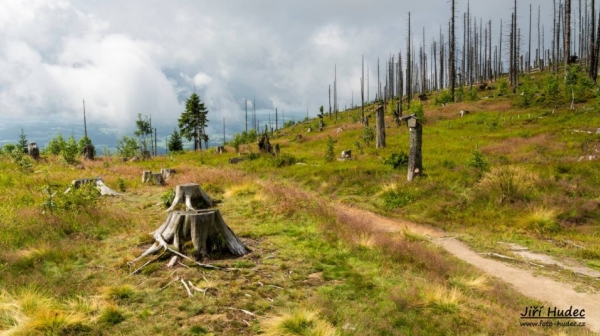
220	150
192	195
146	176
347	154
157	178
104	190
33	150
88	152
167	173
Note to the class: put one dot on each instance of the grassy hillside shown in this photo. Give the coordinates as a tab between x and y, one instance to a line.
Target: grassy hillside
504	172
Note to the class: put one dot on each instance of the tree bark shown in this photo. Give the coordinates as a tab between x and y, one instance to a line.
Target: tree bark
415	164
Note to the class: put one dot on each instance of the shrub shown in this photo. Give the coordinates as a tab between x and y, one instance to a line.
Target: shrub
443	98
397	198
56	145
478	161
368	135
70	150
417	109
8	148
127	147
168	197
502	87
397	160
511	183
284	160
329	151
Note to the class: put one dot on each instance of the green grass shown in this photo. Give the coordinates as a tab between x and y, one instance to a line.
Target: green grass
313	270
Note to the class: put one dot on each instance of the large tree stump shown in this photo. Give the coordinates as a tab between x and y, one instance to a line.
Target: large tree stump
206	229
103	188
192	195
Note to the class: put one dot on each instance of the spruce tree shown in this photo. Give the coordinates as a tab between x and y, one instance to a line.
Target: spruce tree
193	121
22	143
175	142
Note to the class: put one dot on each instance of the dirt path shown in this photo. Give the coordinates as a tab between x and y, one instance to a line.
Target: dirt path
545	289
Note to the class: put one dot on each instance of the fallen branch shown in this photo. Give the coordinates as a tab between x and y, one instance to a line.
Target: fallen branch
186	288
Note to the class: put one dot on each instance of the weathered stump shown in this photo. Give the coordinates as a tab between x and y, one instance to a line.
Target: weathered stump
167	173
146	176
33	150
192	195
88	152
206	229
104	190
157	178
220	150
347	154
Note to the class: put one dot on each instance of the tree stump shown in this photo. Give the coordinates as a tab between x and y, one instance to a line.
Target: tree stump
146	176
192	195
33	150
157	178
103	188
206	229
220	150
167	173
347	154
88	152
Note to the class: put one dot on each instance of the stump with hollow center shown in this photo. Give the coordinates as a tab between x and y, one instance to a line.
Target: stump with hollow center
192	195
206	229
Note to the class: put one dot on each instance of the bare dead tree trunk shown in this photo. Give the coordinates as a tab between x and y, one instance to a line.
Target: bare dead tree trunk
567	31
452	53
380	127
362	90
529	51
408	66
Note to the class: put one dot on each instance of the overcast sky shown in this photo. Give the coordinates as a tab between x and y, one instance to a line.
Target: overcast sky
130	57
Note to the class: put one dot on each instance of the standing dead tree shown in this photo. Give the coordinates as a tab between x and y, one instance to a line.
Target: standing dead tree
380	127
452	58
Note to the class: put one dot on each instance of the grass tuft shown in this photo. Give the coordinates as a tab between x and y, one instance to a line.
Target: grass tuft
299	322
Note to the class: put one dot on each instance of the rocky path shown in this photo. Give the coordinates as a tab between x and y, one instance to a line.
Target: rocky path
543	288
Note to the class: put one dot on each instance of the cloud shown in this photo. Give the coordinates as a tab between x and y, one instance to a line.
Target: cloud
130	57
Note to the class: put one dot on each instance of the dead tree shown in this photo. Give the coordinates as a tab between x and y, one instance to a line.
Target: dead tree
452	59
380	127
567	32
408	66
192	195
362	89
592	49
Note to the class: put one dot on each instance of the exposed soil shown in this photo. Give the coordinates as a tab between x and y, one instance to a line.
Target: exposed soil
543	288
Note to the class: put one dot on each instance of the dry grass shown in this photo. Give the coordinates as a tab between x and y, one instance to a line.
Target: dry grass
443	299
510	183
541	220
298	322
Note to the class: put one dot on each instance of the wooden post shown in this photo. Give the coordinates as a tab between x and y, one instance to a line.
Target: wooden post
415	164
380	128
